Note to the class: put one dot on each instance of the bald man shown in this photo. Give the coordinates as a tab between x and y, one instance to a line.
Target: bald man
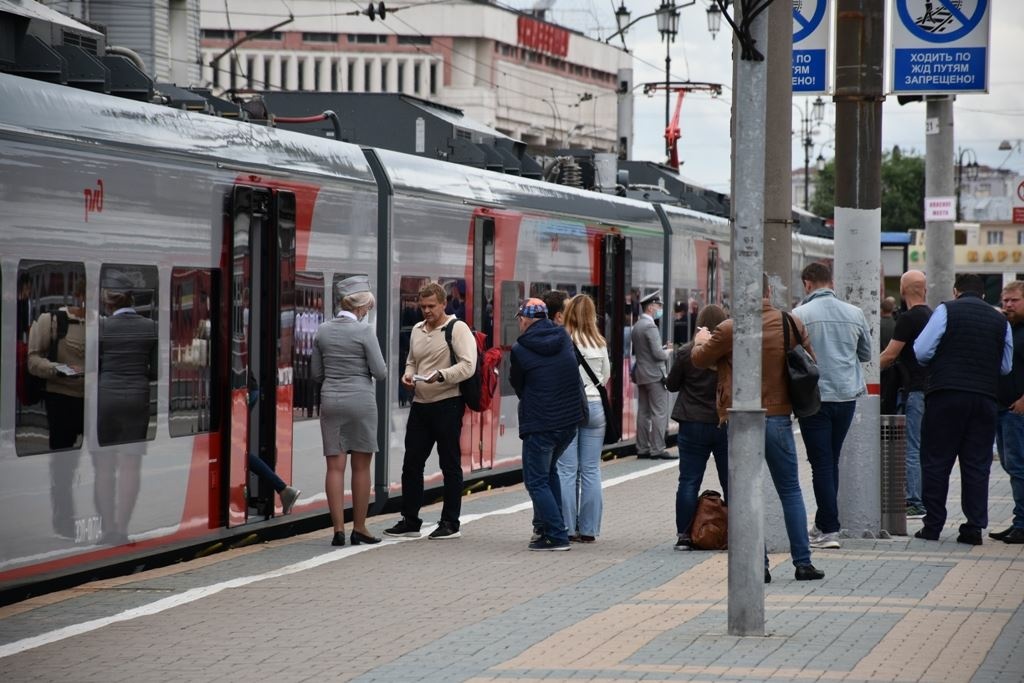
914	378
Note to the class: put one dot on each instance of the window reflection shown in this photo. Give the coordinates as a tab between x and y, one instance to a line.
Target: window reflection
194	303
309	313
50	348
409	314
126	410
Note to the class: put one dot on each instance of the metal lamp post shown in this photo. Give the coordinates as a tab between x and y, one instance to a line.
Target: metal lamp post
971	168
808	117
668	26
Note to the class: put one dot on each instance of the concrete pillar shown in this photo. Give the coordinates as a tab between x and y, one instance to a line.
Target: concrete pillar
375	81
276	76
392	83
308	73
343	84
938	182
291	79
258	75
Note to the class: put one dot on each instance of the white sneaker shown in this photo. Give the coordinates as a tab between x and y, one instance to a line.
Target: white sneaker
289	495
814	532
826	541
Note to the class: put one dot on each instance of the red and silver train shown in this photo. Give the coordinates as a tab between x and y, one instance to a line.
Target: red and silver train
233	235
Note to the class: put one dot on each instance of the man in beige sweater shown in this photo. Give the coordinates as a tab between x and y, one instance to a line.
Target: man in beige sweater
436	413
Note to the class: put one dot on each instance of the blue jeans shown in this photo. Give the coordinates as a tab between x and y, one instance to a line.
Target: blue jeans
915	414
697	441
265	472
823	434
540	475
1010	439
780	456
579	475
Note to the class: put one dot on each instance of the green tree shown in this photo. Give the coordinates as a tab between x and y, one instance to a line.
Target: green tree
902	191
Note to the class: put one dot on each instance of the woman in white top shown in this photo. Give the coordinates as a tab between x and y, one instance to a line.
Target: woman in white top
579	467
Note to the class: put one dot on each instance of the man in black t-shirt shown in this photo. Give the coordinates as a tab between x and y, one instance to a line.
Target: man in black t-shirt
914	378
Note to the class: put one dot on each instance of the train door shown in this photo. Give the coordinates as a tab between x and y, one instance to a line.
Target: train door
479	428
261	246
615	309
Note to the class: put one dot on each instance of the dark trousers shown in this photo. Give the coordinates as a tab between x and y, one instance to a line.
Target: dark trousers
956	424
823	434
433	423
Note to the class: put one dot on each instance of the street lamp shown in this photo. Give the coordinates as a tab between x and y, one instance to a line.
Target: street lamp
971	168
715	17
809	116
668	25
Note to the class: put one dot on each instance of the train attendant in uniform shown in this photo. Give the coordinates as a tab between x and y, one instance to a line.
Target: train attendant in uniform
346	361
579	467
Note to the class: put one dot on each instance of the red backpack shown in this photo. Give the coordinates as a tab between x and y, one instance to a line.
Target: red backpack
479	388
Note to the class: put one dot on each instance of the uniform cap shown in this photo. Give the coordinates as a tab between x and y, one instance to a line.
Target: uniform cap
652	298
353	285
121	280
532	308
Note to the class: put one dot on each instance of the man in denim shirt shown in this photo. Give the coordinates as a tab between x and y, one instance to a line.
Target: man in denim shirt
841	339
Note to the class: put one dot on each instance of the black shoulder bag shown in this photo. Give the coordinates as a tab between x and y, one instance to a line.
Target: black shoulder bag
612	430
801	373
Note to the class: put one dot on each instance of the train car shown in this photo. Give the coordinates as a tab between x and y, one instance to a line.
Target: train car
232	237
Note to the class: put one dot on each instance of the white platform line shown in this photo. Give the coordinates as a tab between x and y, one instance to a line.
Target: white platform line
194	594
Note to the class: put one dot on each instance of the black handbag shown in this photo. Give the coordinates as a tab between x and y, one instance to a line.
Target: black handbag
801	373
612	431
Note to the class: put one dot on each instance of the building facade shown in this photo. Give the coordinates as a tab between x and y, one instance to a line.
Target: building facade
532	80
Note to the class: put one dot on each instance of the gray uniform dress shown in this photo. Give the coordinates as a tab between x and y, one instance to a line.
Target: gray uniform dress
346	360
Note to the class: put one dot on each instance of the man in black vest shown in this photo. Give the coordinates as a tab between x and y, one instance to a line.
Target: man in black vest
966	345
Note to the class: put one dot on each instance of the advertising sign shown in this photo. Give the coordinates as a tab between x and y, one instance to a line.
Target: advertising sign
811	40
940	46
939	209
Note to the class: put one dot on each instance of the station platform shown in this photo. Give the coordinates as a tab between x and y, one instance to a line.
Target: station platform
484	608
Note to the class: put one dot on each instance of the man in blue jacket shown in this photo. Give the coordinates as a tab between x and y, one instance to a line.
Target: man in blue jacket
544	373
841	339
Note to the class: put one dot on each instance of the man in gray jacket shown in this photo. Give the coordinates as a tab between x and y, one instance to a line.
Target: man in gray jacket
649	375
841	340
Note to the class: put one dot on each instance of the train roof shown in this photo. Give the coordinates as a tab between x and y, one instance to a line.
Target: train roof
480	187
34	107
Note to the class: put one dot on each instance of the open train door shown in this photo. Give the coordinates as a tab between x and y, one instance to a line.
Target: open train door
261	247
614	309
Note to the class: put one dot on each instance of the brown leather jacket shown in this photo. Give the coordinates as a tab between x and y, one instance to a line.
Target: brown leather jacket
774	389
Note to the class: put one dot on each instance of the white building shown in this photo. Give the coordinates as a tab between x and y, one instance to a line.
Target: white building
532	80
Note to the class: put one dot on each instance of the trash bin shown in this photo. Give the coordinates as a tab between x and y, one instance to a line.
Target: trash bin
894	474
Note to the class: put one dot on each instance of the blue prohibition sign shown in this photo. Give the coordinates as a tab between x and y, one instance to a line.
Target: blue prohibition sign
937	24
808	26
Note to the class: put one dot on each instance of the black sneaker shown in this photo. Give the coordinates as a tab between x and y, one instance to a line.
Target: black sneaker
683	544
537	534
404	528
926	534
444	530
547	544
969	535
807	572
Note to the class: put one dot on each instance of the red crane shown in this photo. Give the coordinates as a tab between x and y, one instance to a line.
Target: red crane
672	133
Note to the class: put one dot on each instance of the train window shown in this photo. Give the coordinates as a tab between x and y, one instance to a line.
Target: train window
50	361
309	313
128	352
192	405
512	293
567	287
537	289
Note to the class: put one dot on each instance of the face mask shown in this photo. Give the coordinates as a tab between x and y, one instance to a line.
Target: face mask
657	314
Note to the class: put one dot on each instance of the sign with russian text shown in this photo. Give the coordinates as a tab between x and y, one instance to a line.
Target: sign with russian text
939	209
940	46
543	37
811	39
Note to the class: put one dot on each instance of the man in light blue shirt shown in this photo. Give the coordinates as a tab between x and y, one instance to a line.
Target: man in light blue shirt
841	339
967	344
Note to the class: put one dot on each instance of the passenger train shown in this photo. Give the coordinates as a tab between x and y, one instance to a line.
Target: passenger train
233	236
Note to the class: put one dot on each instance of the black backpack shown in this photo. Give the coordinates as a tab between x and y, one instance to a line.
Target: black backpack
471	387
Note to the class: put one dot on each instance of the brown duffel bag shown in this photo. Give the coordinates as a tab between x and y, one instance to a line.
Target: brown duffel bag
710	528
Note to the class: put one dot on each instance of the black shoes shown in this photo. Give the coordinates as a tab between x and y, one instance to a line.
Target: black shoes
684	544
926	534
807	572
661	455
444	531
1015	536
404	528
339	538
1000	535
768	575
362	539
969	535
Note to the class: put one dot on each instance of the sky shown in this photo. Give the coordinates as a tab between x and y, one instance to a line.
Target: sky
981	121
